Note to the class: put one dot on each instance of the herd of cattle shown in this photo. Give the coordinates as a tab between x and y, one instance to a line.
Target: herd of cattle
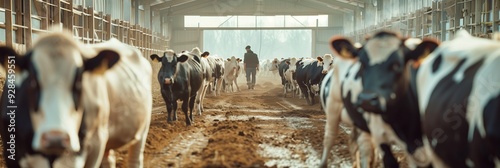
74	104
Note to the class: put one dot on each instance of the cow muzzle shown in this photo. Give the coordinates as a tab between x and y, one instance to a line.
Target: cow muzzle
54	142
371	102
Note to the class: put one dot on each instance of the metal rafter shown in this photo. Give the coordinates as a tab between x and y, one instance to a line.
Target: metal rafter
189	8
326	9
193	9
338	4
170	3
177	7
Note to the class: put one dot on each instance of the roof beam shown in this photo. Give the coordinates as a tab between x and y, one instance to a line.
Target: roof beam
322	8
191	7
168	4
359	3
337	4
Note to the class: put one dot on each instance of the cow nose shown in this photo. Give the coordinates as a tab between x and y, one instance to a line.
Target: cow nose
369	101
324	71
55	142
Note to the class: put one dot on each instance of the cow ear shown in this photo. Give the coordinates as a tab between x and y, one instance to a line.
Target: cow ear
155	58
422	50
9	56
102	62
343	47
183	58
320	59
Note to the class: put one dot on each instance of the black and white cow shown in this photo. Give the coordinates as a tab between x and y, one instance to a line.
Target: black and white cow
180	78
309	74
66	95
396	119
289	75
217	65
207	74
282	68
451	97
458	90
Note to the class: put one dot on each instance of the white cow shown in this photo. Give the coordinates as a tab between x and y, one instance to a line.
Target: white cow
231	74
87	101
273	66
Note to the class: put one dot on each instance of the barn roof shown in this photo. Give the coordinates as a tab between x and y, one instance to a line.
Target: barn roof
256	7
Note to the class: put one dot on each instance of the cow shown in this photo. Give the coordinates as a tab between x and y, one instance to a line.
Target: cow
69	98
180	78
207	70
273	66
448	87
384	61
232	70
289	75
283	66
217	65
458	96
339	80
309	74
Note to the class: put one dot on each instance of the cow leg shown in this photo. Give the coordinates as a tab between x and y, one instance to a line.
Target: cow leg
136	151
109	160
333	112
199	98
219	86
304	90
311	96
367	155
169	112
185	104
388	158
236	84
284	91
174	110
96	151
200	94
191	106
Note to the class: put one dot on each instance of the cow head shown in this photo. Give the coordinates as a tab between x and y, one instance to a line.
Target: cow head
326	62
274	64
56	72
383	59
231	66
292	65
168	64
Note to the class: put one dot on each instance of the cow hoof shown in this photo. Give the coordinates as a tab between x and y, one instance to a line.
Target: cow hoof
308	102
